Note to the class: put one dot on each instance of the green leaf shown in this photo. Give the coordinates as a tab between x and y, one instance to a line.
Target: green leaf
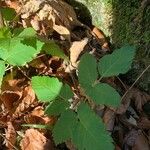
53	49
2	71
63	128
19	50
65	93
57	107
46	88
61	103
118	62
90	133
21	54
8	13
27	33
5	33
103	94
87	70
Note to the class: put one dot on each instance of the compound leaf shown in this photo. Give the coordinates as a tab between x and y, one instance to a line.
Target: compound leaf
118	62
46	88
90	133
100	93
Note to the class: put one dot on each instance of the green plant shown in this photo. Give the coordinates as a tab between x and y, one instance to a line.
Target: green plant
85	129
83	126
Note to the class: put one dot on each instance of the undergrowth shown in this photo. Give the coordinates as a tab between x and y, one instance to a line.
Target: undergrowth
79	124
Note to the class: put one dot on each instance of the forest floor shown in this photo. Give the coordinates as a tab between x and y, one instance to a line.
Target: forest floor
129	21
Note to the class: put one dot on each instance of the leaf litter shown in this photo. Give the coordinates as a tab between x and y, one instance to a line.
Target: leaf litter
57	20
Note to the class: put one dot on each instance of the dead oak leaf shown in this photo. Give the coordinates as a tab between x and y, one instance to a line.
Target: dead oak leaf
34	140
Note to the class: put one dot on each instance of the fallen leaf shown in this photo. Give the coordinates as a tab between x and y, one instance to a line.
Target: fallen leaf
11	93
109	119
141	143
10	136
144	123
76	49
27	101
47	15
101	38
135	95
34	140
37	116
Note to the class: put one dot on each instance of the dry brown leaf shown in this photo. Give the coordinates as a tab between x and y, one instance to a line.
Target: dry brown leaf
10	136
135	95
39	112
75	50
27	101
130	138
55	14
11	93
101	38
144	123
141	143
117	147
34	140
109	119
37	116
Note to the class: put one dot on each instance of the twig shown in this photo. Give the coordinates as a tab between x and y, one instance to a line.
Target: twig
1	20
135	81
125	87
24	73
8	141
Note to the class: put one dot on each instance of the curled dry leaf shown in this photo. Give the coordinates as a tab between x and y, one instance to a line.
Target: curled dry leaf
75	50
11	93
101	38
34	140
10	136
